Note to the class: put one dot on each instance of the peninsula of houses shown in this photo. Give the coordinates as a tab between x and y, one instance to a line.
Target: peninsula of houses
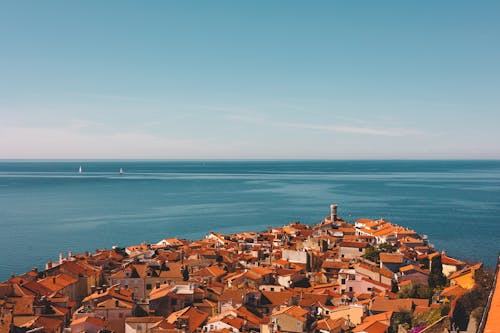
368	276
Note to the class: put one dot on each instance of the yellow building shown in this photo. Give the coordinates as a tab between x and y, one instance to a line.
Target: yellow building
465	277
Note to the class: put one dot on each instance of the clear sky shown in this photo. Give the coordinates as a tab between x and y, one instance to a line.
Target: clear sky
250	79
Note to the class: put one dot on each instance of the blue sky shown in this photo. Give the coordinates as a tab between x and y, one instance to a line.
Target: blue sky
249	79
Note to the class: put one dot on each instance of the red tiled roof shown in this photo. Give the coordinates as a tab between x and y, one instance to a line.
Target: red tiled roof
396	258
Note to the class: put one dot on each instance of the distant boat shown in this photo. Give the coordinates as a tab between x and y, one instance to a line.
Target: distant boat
121	171
80	170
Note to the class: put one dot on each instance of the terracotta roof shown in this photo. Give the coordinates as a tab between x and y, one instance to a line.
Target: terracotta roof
160	292
235	322
111	292
58	282
36	288
393	258
92	320
49	324
23	305
294	311
329	324
308	299
380	304
261	270
113	303
433	255
278	298
371	327
194	316
79	267
445	260
236	295
243	312
413	268
453	291
466	270
210	271
375	269
384	317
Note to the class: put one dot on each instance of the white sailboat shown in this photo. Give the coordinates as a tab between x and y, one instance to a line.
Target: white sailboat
121	171
80	170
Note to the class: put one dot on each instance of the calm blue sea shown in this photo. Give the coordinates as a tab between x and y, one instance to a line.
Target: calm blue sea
47	207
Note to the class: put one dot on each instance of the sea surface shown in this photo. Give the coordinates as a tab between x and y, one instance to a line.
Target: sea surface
48	207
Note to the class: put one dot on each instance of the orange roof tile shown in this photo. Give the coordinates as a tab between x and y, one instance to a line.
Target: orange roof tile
295	311
92	320
395	258
445	260
58	282
371	327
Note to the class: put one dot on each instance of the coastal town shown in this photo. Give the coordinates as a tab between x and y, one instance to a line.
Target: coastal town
370	276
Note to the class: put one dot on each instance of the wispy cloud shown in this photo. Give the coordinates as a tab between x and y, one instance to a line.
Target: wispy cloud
73	141
114	97
357	126
395	132
245	117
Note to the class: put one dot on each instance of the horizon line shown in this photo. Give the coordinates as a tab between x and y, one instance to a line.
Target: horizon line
241	159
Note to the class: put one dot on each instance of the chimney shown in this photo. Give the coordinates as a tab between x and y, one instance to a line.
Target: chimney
48	265
60	258
70	254
333	212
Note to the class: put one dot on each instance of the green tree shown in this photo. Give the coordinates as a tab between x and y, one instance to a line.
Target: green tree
372	254
400	318
415	290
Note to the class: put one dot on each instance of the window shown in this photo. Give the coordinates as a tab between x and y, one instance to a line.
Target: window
342	281
369	288
148	286
350	288
360	250
272	288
